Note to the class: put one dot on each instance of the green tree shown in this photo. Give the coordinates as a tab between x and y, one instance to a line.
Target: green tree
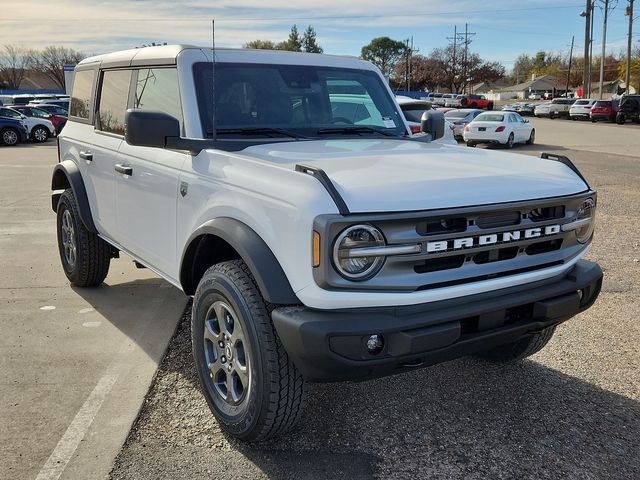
293	43
260	45
309	43
383	52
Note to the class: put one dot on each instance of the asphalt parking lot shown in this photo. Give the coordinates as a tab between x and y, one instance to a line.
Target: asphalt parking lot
571	411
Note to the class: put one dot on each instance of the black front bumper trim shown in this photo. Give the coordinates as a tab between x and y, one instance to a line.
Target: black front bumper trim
330	345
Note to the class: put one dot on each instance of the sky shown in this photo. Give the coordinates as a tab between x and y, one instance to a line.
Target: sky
503	29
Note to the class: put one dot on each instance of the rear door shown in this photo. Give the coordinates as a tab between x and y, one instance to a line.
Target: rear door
148	183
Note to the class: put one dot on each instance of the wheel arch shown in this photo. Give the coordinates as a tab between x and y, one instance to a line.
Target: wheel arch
224	239
67	175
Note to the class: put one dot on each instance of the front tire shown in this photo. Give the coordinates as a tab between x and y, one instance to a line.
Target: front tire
252	387
84	255
40	134
471	144
521	348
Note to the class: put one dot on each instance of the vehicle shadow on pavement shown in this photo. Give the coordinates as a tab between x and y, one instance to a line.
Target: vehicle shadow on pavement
464	419
145	310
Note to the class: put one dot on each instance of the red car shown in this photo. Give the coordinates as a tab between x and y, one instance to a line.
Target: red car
58	120
604	110
476	101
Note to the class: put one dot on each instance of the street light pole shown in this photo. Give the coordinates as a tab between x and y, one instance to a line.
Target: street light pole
587	36
604	45
627	77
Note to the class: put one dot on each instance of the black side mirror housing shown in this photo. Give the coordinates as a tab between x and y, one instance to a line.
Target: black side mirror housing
432	122
149	128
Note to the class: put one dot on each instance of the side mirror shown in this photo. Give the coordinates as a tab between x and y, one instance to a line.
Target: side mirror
147	128
432	122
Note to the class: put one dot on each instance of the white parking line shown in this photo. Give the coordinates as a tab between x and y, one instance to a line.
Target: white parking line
76	431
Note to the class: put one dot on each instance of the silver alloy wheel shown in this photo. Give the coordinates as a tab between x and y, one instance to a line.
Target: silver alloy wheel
69	239
40	134
226	354
9	137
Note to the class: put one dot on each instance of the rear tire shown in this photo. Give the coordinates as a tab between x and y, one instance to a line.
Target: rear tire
471	144
620	119
9	136
521	348
84	255
252	387
509	143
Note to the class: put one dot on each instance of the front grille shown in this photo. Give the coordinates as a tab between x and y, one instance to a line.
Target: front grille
516	238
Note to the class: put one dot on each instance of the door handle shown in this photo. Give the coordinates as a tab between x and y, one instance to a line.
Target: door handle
123	170
88	156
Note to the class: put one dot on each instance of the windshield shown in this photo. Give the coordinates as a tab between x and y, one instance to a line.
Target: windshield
583	102
490	117
301	100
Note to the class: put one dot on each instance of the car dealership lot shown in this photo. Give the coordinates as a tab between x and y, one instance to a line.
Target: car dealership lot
570	412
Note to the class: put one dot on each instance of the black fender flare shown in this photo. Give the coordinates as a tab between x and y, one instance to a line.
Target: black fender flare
267	272
67	174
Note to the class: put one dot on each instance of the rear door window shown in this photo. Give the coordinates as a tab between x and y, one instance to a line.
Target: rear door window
114	95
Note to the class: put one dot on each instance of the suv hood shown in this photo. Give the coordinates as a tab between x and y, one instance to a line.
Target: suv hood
400	175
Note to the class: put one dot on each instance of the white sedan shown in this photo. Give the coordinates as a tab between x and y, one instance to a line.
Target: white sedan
505	128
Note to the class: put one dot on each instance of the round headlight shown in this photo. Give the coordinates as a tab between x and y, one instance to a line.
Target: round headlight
352	265
586	212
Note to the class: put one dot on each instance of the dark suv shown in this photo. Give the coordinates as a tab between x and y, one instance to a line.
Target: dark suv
12	131
629	109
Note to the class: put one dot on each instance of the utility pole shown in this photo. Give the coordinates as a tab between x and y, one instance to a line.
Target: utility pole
587	40
455	42
465	58
604	46
627	77
566	92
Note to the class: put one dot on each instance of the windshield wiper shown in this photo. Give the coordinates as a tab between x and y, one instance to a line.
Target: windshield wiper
359	129
259	131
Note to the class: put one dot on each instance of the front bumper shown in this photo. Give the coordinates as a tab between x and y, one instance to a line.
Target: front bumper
330	345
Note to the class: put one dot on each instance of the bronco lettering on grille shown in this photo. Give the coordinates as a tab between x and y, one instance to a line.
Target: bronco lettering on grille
490	239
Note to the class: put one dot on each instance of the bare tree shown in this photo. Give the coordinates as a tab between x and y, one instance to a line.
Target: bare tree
51	62
13	62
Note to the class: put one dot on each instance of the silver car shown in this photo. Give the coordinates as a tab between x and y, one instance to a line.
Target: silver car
460	118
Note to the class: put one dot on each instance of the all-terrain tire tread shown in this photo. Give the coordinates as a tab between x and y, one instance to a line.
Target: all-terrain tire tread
94	254
522	348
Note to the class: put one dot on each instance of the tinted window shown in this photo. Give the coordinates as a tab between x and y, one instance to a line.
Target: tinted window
490	117
301	98
7	112
114	94
157	89
81	96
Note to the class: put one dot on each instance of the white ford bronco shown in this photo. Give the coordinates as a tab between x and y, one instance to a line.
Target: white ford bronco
319	239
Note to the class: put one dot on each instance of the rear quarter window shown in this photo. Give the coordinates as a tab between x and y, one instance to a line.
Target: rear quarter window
81	106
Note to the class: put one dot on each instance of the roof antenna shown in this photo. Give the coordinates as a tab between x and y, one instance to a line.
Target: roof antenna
213	79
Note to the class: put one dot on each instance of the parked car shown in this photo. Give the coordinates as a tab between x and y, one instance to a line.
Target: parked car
460	118
476	101
447	97
61	102
40	129
12	131
57	120
629	109
547	96
53	109
581	108
504	128
454	102
560	107
414	109
542	109
510	107
604	110
435	98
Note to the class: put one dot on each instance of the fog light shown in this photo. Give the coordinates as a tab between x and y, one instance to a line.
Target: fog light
375	344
